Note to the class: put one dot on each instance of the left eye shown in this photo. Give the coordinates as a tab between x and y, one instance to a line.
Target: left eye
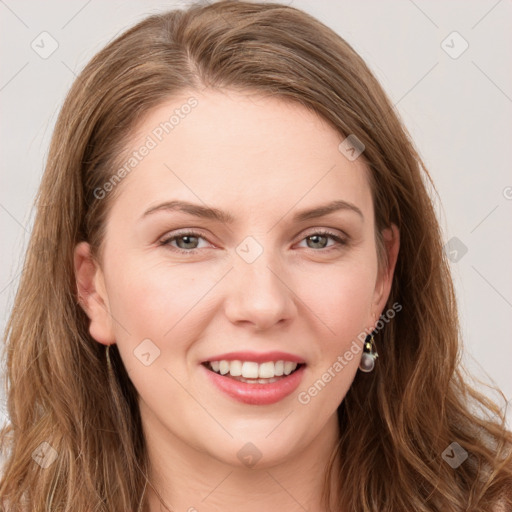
325	235
191	238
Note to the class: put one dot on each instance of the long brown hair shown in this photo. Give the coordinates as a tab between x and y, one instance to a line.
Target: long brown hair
75	441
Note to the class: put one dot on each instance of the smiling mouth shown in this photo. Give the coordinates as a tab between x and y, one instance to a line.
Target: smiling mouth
251	372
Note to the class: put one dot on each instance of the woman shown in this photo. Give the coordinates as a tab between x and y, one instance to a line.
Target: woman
235	295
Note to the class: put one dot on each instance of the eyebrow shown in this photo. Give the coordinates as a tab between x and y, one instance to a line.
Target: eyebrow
206	212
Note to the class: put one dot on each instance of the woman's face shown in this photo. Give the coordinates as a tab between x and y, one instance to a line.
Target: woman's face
241	272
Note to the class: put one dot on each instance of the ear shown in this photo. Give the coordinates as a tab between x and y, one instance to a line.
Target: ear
92	294
391	240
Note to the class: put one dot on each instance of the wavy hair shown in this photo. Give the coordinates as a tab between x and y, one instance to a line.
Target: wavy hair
70	406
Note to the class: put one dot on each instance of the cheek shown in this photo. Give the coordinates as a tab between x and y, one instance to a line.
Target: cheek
150	300
157	311
341	297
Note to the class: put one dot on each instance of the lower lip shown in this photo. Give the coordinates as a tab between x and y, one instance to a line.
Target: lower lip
257	394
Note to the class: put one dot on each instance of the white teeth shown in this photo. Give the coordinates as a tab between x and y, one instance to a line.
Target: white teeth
224	367
289	367
235	368
252	370
266	370
258	381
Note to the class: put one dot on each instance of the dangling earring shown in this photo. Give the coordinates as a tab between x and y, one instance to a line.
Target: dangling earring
107	355
367	363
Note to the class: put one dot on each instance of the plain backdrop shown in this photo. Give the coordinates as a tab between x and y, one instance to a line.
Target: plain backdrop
445	65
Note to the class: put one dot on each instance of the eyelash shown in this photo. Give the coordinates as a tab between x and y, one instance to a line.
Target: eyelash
166	242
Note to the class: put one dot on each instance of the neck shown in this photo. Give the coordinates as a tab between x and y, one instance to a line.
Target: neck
193	481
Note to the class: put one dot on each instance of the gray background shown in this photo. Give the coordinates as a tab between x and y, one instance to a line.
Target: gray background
457	108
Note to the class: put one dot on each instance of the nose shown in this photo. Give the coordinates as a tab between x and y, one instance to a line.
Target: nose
258	293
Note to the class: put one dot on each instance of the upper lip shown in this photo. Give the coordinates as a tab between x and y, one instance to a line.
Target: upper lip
257	357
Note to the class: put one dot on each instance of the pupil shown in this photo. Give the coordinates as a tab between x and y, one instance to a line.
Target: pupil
187	240
315	238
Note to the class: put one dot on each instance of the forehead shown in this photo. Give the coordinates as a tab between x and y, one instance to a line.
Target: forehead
241	149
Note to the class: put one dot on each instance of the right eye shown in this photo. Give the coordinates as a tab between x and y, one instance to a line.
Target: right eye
188	238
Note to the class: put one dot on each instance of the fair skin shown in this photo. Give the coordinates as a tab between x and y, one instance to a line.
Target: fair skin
262	160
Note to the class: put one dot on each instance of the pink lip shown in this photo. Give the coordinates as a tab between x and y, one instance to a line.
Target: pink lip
257	357
256	394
